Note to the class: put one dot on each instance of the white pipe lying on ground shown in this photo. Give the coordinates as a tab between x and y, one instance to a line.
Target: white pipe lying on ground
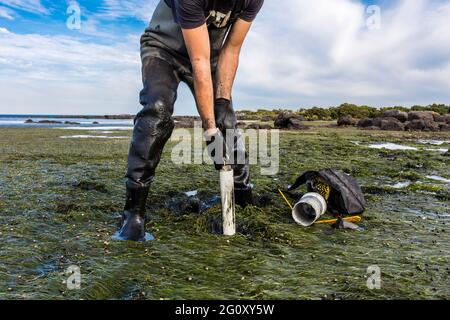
309	209
228	206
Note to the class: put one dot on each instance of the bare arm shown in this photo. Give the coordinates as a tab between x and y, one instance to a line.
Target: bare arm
197	43
229	58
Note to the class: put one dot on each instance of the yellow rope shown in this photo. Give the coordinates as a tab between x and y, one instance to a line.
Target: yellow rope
284	197
349	219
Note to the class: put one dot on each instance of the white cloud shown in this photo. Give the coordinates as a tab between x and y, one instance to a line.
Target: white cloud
6	13
316	53
57	74
34	6
141	9
321	53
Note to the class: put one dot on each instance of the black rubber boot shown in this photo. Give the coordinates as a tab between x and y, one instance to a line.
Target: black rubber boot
133	216
153	126
243	197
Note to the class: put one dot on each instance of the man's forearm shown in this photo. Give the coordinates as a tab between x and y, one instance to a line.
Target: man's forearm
226	72
204	93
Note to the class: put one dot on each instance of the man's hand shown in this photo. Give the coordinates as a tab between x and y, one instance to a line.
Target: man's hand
197	43
217	147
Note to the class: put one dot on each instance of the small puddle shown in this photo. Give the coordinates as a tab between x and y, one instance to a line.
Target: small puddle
442	150
391	146
439	178
191	193
401	185
110	128
85	136
433	142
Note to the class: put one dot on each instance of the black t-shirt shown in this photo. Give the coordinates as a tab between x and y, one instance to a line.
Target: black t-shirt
191	14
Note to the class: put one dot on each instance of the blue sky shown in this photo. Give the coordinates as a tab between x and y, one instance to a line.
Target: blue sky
300	54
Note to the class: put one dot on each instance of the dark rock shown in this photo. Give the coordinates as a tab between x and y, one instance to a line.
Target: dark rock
421	115
392	124
422	125
71	123
95	122
296	124
290	121
346	121
259	126
438	117
49	122
415	125
377	122
29	121
397	114
365	123
447	118
445	127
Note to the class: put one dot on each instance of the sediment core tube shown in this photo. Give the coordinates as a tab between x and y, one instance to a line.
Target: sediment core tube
228	206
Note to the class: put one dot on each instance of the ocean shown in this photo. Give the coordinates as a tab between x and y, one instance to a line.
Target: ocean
62	122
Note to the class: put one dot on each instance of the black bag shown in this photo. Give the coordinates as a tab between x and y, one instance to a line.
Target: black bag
345	196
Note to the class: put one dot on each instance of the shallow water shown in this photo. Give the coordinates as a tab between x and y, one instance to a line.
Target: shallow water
60	203
391	146
85	136
19	121
438	178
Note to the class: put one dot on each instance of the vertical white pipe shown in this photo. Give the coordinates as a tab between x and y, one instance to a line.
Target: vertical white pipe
228	206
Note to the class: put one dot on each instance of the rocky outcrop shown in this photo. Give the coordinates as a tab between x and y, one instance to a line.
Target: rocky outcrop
421	115
447	118
290	121
422	125
346	121
397	114
365	123
395	120
439	118
392	124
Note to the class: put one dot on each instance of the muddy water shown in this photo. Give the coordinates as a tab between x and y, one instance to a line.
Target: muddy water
60	200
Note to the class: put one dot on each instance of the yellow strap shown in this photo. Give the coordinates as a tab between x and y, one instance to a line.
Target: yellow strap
349	219
285	199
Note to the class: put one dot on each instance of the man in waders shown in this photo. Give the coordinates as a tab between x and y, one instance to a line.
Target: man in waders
197	42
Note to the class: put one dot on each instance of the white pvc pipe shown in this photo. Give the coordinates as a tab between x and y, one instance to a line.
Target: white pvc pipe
228	206
307	218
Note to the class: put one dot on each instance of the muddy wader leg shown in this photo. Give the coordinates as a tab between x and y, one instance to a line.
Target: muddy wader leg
226	120
153	126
